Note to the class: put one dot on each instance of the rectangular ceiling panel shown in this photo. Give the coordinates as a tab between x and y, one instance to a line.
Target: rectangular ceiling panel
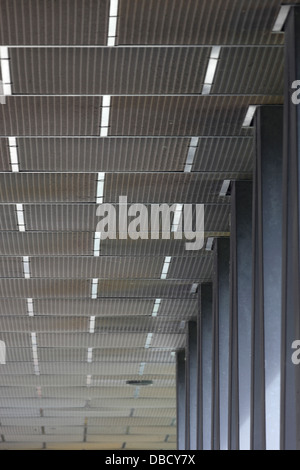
67	22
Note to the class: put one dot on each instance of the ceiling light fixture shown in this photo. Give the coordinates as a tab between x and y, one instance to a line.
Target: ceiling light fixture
94	288
281	18
13	152
97	239
105	112
194	288
148	340
249	116
5	71
112	23
30	307
176	217
2	353
100	188
209	244
165	268
191	154
90	355
156	307
20	217
26	267
211	70
225	188
92	324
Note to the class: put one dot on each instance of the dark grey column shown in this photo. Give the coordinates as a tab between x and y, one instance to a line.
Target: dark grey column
191	386
290	405
204	366
220	347
180	399
267	260
240	315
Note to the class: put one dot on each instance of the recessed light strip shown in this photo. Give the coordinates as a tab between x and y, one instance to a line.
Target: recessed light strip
211	70
142	368
148	340
92	324
90	355
191	154
97	239
177	217
2	353
249	116
281	18
112	23
26	267
94	288
156	307
209	244
225	188
194	288
20	217
30	307
5	70
35	353
106	105
100	187
13	151
165	268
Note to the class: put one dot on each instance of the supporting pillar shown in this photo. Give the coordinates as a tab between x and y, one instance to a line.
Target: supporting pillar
204	366
220	361
191	387
267	261
290	385
240	315
180	399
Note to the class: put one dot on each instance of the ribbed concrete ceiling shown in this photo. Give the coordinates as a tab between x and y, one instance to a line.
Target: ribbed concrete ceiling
75	395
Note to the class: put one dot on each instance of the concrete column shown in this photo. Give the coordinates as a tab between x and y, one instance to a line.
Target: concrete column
267	265
191	387
240	315
180	399
290	384
220	348
204	366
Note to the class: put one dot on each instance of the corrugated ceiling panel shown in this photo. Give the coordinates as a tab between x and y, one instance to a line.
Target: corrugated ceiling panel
82	217
4	154
110	71
32	288
11	267
42	115
49	187
37	244
67	22
110	154
238	68
198	22
8	217
224	154
189	116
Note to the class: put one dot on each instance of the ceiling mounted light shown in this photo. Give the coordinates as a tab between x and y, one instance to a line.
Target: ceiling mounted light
225	188
156	307
211	69
249	116
5	71
165	268
2	353
281	18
